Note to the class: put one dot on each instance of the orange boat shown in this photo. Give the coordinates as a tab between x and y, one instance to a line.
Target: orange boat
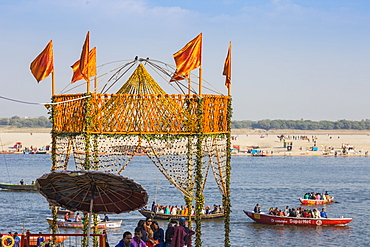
314	202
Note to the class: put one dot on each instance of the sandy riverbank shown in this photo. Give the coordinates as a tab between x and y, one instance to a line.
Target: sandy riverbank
266	141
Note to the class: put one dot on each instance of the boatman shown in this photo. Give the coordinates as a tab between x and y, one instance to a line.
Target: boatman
257	209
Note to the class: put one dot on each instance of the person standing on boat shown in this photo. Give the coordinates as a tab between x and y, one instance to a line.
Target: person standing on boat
106	218
21	182
126	241
154	207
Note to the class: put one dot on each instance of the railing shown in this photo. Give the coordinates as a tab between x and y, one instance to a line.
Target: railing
63	240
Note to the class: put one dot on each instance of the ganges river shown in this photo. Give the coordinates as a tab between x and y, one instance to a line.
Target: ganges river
269	181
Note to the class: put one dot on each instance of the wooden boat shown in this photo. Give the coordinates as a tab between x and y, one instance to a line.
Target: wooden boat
18	187
159	216
312	201
282	220
79	224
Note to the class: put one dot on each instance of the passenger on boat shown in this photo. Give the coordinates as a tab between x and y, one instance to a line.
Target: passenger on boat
77	217
327	196
292	213
182	235
169	232
306	196
158	235
17	240
21	182
257	208
40	239
66	217
315	213
126	240
167	210
323	213
138	241
106	218
280	213
305	214
286	211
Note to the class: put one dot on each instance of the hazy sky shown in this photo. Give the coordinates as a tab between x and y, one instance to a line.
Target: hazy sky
292	59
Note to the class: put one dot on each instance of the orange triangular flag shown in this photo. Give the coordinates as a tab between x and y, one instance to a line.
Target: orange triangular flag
43	64
227	67
84	60
189	57
92	67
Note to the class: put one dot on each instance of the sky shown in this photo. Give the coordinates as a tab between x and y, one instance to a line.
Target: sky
291	59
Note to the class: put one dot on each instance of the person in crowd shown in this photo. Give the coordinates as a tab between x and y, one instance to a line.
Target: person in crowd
169	232
306	196
77	217
257	209
149	231
126	240
141	226
281	213
271	211
40	239
66	217
138	241
158	235
323	213
327	196
182	235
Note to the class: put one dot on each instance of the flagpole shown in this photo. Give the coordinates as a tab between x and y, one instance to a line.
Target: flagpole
229	87
95	84
189	85
200	80
52	84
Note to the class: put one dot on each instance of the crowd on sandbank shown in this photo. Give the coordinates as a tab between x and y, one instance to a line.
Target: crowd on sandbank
294	212
183	210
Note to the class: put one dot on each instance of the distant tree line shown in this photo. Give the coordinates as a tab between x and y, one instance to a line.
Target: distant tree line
15	121
267	124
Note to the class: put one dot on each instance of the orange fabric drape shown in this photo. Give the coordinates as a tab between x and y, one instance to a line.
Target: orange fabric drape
92	67
188	58
227	67
43	64
84	60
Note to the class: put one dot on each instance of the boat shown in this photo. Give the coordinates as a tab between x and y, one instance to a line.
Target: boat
283	220
160	216
33	239
313	202
18	187
79	224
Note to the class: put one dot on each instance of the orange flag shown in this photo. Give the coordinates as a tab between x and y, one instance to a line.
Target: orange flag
92	67
188	58
84	60
227	67
43	64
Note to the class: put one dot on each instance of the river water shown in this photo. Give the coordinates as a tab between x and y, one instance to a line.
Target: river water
269	181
